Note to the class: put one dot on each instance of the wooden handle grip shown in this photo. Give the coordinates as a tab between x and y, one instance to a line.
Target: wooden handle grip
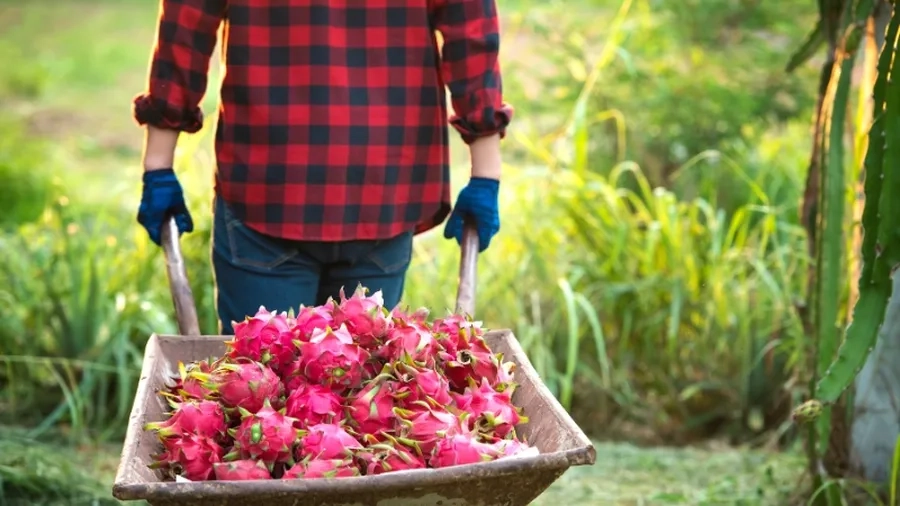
468	271
182	296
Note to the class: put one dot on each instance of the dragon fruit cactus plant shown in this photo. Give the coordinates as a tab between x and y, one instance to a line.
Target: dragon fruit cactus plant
345	389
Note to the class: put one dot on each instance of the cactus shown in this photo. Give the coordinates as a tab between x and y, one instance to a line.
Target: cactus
829	237
881	239
829	250
842	23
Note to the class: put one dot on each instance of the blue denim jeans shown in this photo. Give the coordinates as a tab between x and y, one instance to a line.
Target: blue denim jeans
252	269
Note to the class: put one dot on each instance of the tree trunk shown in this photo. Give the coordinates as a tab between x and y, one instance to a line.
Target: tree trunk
876	407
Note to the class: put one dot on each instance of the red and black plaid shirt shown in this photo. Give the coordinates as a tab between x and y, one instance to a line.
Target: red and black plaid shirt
332	119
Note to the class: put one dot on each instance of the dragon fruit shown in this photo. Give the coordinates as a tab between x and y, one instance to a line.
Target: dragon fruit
191	456
246	469
421	384
409	339
504	380
383	458
245	384
419	316
342	389
332	358
187	385
475	361
313	404
322	468
327	441
266	338
453	330
510	447
248	341
312	318
372	408
267	435
461	449
292	375
426	425
365	317
203	418
491	409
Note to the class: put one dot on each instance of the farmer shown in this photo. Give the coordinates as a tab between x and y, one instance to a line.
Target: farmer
332	138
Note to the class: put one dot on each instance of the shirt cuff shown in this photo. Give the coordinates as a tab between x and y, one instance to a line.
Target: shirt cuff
152	111
490	121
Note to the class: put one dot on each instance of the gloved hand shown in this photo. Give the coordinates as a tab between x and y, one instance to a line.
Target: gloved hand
162	197
478	202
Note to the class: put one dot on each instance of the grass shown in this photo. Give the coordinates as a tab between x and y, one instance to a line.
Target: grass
36	473
626	475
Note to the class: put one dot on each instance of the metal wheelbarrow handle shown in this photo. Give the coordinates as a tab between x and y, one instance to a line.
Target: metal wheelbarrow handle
186	309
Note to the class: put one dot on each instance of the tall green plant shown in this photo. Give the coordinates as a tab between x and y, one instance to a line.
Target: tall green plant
839	356
881	240
81	303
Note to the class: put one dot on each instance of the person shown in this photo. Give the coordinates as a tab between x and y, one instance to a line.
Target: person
332	138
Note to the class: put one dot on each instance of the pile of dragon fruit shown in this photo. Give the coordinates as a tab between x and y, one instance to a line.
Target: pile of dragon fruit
340	390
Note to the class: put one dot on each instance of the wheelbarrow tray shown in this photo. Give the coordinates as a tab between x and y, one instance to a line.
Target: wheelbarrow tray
511	481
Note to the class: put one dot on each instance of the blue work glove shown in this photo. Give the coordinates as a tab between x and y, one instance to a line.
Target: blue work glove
478	203
162	197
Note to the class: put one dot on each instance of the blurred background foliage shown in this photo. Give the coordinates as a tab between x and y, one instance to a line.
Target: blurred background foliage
650	257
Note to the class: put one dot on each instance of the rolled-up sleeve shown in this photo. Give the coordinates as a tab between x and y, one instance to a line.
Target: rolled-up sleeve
179	65
470	66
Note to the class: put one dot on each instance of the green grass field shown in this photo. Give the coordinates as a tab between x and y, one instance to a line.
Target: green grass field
70	70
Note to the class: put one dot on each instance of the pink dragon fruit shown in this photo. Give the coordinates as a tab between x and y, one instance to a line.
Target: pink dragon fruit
504	380
266	338
322	468
245	384
493	410
292	375
190	456
461	449
372	409
248	341
310	319
282	338
419	316
240	470
332	358
426	425
267	435
409	339
187	385
327	441
509	447
203	418
454	331
368	392
384	458
476	361
421	384
372	368
365	317
313	404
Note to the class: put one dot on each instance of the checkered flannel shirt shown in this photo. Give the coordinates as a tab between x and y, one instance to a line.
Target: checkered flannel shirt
333	123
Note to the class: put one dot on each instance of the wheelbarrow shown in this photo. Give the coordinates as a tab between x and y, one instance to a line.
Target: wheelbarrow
511	481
